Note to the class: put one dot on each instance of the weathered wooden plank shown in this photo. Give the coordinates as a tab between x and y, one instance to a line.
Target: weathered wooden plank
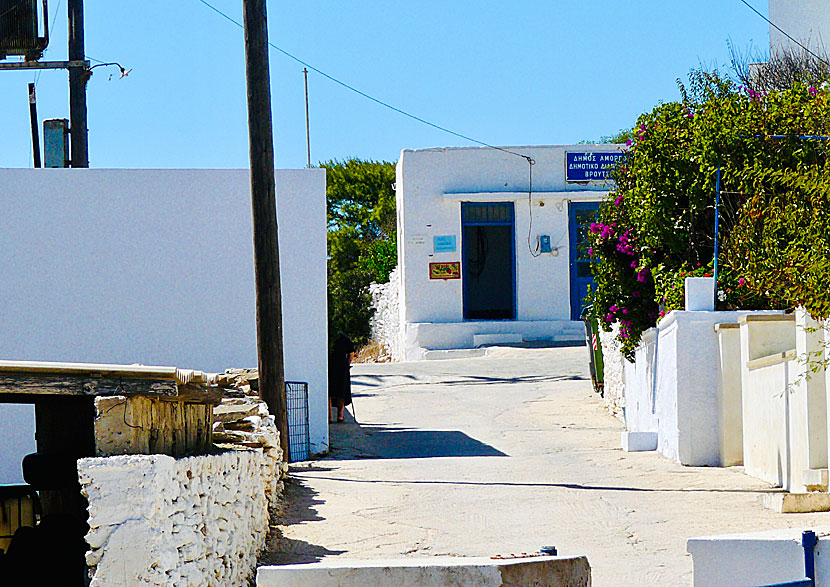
51	384
198	394
178	428
209	426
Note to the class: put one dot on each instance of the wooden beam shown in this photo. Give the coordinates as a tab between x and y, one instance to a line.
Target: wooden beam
57	384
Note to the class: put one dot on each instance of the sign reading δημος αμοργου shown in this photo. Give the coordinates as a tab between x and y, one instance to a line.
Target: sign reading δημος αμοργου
591	166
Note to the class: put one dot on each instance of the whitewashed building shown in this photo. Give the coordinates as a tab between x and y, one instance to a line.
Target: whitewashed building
807	21
490	247
154	267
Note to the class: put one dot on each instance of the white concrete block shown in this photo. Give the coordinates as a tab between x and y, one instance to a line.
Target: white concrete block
797	503
639	441
815	479
700	294
425	572
756	558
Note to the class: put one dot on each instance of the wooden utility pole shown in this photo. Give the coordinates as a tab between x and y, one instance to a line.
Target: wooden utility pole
264	203
78	76
34	124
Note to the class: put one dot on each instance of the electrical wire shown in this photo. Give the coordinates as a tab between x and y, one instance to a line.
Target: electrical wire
51	28
367	96
533	252
783	32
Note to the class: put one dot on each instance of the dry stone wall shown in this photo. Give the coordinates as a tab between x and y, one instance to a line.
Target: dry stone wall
386	321
195	521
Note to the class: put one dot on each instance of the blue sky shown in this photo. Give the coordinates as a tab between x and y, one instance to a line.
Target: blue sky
506	73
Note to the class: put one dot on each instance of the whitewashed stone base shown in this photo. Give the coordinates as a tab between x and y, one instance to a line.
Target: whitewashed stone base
613	373
386	320
196	521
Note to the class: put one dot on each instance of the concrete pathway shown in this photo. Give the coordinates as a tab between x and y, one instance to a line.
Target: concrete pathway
501	455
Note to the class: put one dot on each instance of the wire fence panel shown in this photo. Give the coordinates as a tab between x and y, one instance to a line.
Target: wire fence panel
296	395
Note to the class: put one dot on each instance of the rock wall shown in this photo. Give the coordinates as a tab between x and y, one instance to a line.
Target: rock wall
386	321
614	373
195	521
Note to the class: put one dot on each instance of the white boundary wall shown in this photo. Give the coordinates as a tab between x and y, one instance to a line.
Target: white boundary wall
155	266
198	521
673	388
431	184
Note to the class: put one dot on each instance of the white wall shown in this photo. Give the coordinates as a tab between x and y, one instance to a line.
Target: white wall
432	183
156	267
673	387
784	408
17	439
808	21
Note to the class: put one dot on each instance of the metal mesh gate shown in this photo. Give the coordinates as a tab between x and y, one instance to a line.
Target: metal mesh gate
296	396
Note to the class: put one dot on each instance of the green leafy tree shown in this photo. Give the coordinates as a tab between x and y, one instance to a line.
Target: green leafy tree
657	227
360	201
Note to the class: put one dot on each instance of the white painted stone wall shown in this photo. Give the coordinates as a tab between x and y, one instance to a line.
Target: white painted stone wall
155	266
673	387
613	373
431	185
808	21
385	321
197	521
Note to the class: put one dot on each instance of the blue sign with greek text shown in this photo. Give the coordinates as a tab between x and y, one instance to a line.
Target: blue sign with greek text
444	243
591	166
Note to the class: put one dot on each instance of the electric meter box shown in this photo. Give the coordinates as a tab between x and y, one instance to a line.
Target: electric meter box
544	243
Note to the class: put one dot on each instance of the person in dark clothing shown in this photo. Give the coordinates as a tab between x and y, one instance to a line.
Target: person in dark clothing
340	383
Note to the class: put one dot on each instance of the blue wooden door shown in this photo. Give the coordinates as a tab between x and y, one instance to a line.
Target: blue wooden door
580	217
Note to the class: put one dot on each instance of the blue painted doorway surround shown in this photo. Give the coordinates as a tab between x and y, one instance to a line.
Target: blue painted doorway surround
488	260
580	217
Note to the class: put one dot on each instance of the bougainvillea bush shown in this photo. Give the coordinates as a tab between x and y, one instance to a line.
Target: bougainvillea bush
657	226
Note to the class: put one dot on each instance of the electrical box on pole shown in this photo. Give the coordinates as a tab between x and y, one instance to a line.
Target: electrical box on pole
56	142
19	30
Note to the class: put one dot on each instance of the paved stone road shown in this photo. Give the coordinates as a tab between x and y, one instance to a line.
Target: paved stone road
502	455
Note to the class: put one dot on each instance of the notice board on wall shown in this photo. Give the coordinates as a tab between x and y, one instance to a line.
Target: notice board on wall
445	270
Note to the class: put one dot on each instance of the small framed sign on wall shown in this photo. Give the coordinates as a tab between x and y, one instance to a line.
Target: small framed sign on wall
445	270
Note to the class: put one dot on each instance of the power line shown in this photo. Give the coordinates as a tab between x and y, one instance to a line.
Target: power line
367	96
783	32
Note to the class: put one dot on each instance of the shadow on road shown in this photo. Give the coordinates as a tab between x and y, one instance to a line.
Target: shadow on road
351	440
298	501
578	486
